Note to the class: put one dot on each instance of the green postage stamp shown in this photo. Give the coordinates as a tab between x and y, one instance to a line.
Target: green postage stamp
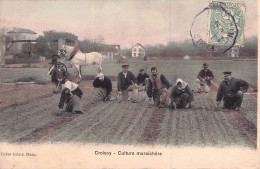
226	23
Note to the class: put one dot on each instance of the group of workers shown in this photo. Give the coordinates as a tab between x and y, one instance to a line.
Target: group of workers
156	86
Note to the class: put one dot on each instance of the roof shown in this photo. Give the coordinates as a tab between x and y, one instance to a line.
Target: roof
106	48
21	30
139	45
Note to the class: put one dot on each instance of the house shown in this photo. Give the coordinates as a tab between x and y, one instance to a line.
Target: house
138	50
108	51
20	34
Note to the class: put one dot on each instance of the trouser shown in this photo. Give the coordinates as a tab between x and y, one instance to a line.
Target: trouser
135	93
206	86
74	105
100	94
58	87
233	102
161	98
143	86
182	100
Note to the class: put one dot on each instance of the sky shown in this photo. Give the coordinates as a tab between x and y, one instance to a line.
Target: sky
124	22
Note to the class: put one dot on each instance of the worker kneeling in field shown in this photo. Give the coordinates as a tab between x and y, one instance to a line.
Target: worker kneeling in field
157	88
142	79
232	91
126	81
71	95
181	95
204	77
104	87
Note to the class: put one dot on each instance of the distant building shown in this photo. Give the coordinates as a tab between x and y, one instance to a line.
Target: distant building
233	52
20	34
108	51
138	50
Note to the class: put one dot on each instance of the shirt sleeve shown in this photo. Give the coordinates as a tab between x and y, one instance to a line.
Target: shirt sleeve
62	99
137	79
211	75
242	85
165	82
199	75
95	83
149	89
220	92
133	77
188	90
119	86
109	85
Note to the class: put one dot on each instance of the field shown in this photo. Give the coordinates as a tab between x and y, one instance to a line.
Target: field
28	112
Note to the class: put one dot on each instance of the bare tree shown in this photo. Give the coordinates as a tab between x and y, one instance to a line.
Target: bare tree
99	40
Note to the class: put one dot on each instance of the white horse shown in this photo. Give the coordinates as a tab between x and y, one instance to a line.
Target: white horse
77	58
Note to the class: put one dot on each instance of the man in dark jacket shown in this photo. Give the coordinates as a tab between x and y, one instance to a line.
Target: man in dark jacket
142	78
126	81
181	95
58	75
204	77
232	91
71	95
157	88
104	85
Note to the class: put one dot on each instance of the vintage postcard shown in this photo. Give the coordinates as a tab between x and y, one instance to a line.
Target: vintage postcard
128	84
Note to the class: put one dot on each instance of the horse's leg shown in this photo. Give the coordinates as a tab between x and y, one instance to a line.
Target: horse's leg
100	64
78	71
80	75
100	68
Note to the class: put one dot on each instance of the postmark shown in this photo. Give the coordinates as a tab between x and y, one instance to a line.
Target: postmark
225	26
226	23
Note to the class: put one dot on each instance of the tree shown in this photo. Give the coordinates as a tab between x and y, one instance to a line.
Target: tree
99	40
126	52
87	46
46	47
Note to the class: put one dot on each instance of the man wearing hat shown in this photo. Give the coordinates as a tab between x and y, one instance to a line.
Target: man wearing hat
204	77
126	81
232	91
157	88
71	95
142	78
104	87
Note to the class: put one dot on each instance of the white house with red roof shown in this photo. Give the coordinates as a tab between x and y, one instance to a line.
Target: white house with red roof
138	50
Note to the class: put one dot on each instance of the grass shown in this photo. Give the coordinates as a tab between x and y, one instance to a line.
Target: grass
172	69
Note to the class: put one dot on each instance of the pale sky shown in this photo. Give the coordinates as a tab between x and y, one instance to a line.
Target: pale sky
119	22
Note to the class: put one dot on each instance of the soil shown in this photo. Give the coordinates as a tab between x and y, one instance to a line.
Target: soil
29	114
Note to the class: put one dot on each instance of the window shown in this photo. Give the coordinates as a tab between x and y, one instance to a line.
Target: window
134	49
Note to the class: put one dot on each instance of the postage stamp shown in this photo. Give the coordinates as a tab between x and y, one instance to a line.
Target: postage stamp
226	23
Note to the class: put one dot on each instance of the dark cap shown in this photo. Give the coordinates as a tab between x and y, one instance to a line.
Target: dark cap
153	68
205	65
227	73
124	64
141	70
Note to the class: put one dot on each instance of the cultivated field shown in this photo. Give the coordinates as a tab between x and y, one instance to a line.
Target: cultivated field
33	118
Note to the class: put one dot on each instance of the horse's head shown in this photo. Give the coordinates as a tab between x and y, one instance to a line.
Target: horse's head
62	52
65	51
